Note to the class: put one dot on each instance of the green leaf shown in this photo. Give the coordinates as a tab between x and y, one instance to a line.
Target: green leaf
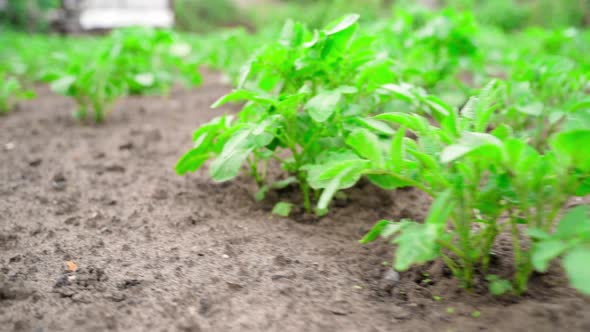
282	209
375	232
478	110
319	176
341	24
427	161
387	181
573	121
438	106
292	33
376	126
235	151
534	109
28	94
332	154
469	110
203	148
567	146
241	95
545	251
261	193
323	105
343	179
412	121
329	191
581	105
192	161
367	145
391	229
577	268
284	183
538	234
469	143
502	132
259	135
346	90
575	224
63	85
584	188
498	286
314	39
444	114
520	157
417	243
227	165
397	151
441	209
145	79
401	91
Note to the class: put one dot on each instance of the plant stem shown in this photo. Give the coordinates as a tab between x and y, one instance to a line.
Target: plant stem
463	228
558	204
98	114
491	232
305	192
452	265
254	172
520	278
465	244
538	137
452	248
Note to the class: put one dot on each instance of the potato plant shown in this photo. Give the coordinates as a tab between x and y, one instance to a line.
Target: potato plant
304	95
430	48
130	61
11	92
91	82
484	183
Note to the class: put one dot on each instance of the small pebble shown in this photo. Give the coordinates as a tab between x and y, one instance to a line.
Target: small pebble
391	275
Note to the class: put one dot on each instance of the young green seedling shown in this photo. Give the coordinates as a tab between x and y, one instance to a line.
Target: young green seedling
11	92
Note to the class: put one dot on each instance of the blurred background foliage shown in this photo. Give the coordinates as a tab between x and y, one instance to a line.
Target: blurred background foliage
207	15
517	14
30	15
204	15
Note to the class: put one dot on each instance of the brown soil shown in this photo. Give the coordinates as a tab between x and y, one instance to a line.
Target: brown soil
160	252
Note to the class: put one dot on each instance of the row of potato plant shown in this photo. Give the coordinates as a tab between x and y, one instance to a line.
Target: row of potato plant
133	61
96	71
332	106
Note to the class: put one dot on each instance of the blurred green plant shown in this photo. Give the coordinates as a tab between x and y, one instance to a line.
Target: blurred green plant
206	15
518	14
11	92
31	15
317	13
129	61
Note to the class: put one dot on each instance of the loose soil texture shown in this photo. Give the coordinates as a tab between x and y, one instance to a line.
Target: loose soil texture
159	252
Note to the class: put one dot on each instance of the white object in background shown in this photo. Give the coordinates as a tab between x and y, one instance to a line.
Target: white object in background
116	18
108	14
135	4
